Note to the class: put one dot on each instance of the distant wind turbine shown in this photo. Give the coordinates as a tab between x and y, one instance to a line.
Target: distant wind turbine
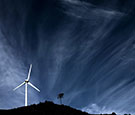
26	82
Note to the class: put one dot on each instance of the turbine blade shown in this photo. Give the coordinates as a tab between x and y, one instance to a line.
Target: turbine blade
33	86
19	86
29	72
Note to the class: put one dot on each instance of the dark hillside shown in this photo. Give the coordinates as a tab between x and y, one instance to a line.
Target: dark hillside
47	108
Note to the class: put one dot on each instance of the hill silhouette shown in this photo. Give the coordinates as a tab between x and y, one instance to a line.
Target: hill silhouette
47	108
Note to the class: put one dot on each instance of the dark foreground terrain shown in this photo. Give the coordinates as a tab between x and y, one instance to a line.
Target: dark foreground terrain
47	108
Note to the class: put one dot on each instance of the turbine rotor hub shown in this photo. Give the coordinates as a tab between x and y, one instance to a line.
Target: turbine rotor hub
26	81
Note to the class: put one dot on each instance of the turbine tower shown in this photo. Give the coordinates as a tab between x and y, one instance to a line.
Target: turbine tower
26	82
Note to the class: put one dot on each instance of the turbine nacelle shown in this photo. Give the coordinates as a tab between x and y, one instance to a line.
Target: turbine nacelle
26	81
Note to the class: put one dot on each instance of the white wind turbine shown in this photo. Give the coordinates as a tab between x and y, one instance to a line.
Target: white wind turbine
26	82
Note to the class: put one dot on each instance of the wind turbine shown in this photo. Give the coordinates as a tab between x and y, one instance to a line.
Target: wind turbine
26	82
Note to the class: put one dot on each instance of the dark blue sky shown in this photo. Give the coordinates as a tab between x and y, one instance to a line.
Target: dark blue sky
84	48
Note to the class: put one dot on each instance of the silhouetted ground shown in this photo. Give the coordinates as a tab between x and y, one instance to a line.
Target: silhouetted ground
47	108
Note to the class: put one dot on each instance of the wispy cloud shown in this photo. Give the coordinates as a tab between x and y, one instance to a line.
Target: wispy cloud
88	11
83	50
12	72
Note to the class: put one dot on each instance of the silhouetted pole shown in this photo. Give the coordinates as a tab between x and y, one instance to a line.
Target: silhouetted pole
61	101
